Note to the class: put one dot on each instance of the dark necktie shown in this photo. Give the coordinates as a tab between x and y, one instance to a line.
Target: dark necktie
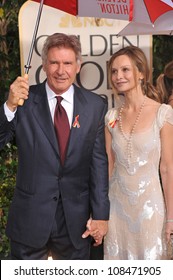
62	128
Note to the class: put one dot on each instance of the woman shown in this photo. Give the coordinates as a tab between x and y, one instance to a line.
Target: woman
164	84
139	136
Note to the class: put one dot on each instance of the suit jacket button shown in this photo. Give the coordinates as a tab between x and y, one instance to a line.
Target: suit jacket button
55	198
60	177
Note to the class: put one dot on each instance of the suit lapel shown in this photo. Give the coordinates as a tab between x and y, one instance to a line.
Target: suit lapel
79	110
42	115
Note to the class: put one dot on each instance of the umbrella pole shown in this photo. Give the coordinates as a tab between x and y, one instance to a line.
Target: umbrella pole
28	64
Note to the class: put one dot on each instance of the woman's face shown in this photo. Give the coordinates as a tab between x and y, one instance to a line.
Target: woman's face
124	74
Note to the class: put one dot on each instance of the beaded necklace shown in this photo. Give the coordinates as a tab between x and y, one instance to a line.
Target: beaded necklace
129	139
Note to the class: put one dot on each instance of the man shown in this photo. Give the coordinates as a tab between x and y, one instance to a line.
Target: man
61	197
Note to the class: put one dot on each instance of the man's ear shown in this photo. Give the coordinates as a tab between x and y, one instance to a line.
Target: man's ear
44	67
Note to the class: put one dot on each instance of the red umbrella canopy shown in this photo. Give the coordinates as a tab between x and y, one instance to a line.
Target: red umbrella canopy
121	9
156	8
112	9
68	6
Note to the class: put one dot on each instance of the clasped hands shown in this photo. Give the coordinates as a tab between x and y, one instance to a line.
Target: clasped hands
97	229
169	230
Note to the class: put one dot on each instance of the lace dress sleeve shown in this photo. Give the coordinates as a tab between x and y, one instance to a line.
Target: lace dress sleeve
165	114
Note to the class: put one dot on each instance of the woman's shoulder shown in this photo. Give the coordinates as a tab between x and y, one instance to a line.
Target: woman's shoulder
165	114
165	110
157	108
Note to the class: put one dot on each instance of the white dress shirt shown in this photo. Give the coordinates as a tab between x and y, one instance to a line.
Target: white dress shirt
9	114
67	103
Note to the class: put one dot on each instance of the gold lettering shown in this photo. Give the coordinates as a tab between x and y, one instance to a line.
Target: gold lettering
87	20
69	20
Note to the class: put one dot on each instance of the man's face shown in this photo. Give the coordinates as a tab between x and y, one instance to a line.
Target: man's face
61	68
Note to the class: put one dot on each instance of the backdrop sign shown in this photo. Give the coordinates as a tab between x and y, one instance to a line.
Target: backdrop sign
98	39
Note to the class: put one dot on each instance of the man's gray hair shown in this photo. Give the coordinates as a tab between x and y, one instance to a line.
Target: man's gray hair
60	40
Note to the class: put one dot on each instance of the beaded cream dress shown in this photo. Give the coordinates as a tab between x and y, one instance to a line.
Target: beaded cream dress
137	214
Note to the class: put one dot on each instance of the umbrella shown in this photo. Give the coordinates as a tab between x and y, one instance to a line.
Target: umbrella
150	17
121	10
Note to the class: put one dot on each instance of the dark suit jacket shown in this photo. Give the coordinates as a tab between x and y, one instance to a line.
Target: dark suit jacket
82	181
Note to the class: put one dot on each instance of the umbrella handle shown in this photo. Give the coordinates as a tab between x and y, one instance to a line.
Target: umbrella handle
28	65
21	100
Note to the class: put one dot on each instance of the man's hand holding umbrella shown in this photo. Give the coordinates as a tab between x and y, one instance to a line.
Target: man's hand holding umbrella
18	91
